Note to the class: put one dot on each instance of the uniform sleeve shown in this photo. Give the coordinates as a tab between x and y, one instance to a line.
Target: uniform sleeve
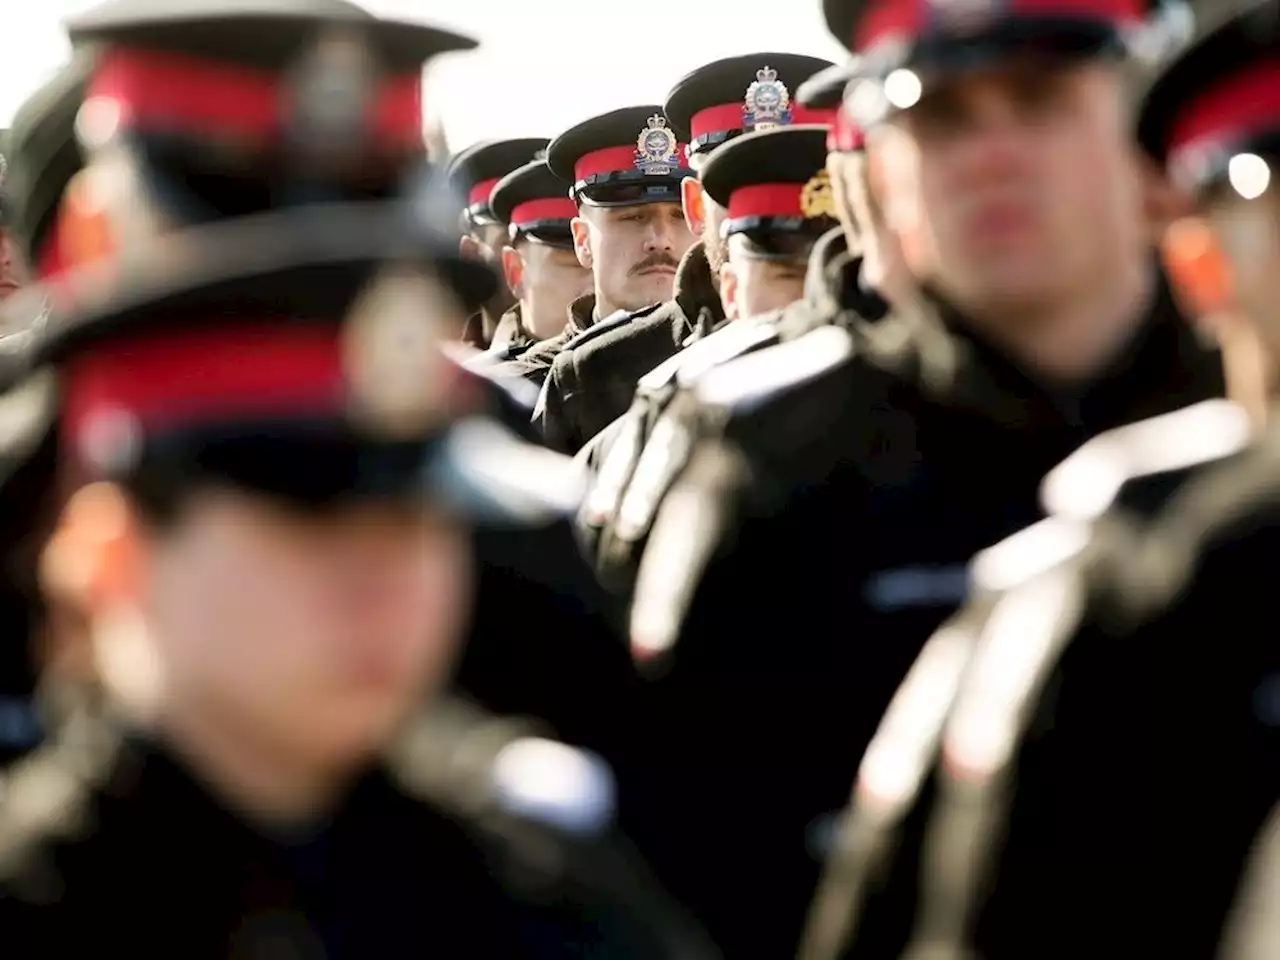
555	414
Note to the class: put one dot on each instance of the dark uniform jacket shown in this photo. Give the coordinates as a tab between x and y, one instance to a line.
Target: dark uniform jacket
534	363
110	845
1139	690
818	536
619	456
511	334
594	378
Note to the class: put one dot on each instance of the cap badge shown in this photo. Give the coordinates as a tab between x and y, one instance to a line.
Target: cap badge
768	102
962	17
657	149
392	360
333	87
815	197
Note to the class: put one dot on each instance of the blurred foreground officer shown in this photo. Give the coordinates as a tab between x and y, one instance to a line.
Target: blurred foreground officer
845	474
623	170
275	476
540	265
473	174
594	378
572	675
1032	792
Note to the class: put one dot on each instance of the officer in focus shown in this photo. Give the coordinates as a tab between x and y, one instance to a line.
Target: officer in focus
594	379
623	171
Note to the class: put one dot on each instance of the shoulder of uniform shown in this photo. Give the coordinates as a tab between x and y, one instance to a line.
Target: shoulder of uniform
45	803
746	384
1138	465
720	346
602	327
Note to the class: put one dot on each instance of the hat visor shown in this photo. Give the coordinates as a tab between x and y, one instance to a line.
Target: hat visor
634	192
473	468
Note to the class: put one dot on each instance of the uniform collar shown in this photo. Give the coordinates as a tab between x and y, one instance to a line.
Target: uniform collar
695	291
582	314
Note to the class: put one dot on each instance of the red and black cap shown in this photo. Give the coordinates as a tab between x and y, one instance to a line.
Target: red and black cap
931	38
475	171
774	187
44	156
277	354
739	95
622	158
1219	100
220	95
534	204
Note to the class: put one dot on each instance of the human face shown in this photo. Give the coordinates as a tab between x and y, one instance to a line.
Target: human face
1014	186
1239	256
309	636
545	279
753	285
632	252
12	267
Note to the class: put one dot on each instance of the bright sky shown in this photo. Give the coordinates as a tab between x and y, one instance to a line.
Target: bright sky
542	65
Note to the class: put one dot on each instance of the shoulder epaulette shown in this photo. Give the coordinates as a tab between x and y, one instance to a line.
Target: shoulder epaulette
1089	482
744	384
725	344
603	326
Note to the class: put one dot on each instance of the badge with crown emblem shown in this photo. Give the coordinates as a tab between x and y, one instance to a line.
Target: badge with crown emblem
657	150
815	197
768	102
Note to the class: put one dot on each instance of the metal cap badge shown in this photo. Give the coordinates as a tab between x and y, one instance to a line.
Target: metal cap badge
657	148
398	378
816	199
962	17
333	86
768	102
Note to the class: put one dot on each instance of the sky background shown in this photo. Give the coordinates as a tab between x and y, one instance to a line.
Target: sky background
542	65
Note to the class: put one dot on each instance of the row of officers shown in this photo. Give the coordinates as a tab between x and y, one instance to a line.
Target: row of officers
803	518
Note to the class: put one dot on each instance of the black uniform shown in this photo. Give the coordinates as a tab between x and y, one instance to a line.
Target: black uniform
111	840
593	377
534	363
631	459
1085	755
439	850
594	384
838	485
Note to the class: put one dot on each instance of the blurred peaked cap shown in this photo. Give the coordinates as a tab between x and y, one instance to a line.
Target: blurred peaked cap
1220	96
786	155
310	263
43	152
724	83
261	33
475	171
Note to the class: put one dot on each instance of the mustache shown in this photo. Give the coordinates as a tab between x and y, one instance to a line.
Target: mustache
657	260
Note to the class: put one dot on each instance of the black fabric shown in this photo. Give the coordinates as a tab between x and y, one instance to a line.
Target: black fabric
535	363
139	856
900	472
592	384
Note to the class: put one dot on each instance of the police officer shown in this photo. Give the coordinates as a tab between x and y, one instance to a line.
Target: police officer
575	681
592	383
1049	805
269	416
623	170
853	468
472	176
540	266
